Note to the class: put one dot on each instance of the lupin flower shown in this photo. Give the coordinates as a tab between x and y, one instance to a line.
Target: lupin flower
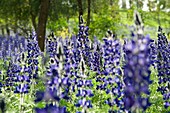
163	67
83	87
111	81
51	109
68	57
136	69
1	85
32	57
51	44
22	88
136	73
95	56
57	82
153	53
83	43
111	55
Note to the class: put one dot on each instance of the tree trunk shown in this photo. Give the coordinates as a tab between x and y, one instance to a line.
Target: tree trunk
80	8
7	30
111	2
33	19
43	16
88	15
3	32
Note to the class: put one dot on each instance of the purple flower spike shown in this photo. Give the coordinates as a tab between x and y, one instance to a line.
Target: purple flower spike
137	73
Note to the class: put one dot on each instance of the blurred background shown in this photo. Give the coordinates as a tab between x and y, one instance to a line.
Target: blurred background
61	16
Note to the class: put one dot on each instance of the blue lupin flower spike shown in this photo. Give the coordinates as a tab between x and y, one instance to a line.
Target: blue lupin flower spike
163	65
136	74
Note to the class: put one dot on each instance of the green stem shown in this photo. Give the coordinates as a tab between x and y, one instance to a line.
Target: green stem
21	102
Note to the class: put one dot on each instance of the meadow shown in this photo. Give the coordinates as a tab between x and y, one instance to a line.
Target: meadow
81	75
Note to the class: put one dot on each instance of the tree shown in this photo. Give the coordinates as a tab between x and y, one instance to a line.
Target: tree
111	2
34	6
80	8
43	16
88	13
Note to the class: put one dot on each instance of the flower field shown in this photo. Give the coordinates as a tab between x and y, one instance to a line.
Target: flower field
81	75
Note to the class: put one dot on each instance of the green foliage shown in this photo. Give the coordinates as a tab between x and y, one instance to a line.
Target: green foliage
99	106
156	98
23	16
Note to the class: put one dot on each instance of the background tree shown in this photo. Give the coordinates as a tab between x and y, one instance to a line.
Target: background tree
23	16
88	13
34	7
43	16
80	6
